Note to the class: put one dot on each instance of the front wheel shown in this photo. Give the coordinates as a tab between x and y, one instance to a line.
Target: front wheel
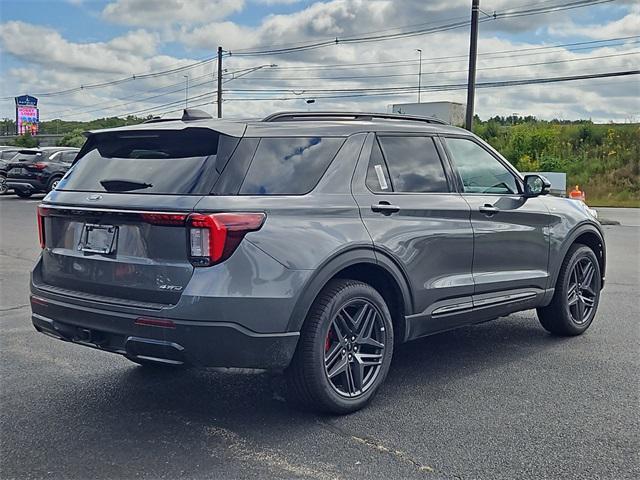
344	351
3	184
577	294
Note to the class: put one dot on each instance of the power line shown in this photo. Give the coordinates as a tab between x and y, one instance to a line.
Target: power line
352	39
417	32
392	75
395	91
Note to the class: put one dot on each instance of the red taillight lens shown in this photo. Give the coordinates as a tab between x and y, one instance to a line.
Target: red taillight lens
38	166
176	219
42	212
214	237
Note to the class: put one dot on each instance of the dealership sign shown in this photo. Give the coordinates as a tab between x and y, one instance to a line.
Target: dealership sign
27	115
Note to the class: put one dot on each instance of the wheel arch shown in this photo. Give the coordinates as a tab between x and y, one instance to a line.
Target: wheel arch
589	235
370	267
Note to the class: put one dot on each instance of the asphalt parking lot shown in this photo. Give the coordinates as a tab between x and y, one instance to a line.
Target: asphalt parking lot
500	400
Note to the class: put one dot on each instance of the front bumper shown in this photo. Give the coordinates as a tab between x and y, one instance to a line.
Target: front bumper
208	344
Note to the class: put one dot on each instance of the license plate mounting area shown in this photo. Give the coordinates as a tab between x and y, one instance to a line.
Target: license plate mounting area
98	238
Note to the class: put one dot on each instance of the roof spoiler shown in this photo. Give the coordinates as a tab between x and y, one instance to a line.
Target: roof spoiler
194	114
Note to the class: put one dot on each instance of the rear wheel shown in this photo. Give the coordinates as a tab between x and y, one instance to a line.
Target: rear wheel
3	184
53	183
24	193
345	349
577	294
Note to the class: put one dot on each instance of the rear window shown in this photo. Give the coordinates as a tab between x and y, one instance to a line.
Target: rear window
289	166
180	162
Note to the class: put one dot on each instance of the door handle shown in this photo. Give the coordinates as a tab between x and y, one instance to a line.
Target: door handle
489	209
385	208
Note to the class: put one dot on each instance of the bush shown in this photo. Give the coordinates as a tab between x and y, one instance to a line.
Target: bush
26	141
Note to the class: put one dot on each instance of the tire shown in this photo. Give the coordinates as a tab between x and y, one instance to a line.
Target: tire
53	183
357	362
3	184
577	294
24	193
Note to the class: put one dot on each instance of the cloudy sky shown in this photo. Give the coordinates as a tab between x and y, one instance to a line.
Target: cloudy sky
50	48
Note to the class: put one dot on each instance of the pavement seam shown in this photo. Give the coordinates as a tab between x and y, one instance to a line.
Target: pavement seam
17	307
376	445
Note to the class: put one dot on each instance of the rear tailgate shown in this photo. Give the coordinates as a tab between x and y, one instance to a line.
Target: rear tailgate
133	255
116	227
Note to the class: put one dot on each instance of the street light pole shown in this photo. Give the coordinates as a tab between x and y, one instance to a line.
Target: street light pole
186	91
419	73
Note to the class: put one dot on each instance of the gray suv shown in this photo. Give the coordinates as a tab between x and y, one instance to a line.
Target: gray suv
312	243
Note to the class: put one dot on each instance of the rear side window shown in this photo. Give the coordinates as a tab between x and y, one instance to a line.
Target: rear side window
289	166
179	162
414	164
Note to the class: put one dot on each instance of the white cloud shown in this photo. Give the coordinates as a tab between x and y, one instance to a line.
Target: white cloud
166	12
627	26
68	64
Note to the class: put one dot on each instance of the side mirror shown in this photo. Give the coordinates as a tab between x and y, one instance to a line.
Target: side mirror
535	185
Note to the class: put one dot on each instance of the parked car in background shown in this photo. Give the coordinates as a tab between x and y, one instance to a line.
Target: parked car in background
6	153
34	170
312	243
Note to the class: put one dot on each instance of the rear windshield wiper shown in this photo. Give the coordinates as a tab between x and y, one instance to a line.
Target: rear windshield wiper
118	185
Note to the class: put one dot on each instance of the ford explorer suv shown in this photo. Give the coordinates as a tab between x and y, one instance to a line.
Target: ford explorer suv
309	243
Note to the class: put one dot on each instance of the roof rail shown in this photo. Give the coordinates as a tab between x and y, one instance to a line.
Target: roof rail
158	120
311	116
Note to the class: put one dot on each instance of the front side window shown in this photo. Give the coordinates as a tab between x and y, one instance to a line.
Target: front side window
289	166
414	164
480	171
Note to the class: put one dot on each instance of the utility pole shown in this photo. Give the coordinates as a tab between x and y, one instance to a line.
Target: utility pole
419	73
186	91
219	82
473	54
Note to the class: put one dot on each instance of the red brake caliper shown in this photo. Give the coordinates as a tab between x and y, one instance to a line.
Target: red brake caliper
327	342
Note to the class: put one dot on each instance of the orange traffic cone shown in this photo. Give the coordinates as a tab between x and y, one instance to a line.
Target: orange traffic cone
577	194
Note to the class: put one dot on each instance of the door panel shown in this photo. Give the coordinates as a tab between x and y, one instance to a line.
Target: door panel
511	246
511	234
429	235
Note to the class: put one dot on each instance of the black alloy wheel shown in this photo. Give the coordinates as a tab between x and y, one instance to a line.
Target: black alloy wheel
354	348
576	295
581	294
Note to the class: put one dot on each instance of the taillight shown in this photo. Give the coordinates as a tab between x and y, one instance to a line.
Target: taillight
42	212
37	166
214	237
169	219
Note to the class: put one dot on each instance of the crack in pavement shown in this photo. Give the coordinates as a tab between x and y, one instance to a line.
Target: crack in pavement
376	445
241	448
17	307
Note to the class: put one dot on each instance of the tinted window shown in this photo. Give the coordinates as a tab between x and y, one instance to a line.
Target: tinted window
68	157
377	173
481	172
7	154
414	164
147	161
289	166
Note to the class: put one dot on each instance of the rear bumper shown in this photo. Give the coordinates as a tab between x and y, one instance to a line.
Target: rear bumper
209	344
26	185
